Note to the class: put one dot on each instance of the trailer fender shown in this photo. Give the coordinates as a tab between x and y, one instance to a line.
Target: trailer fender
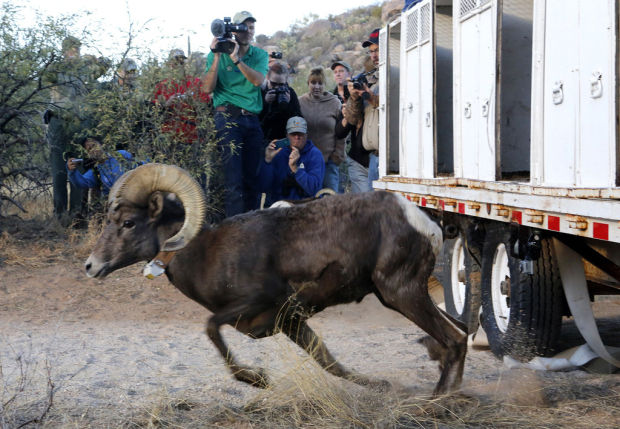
576	292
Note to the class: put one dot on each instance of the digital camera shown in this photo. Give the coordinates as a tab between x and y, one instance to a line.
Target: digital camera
281	93
223	29
283	143
360	80
276	55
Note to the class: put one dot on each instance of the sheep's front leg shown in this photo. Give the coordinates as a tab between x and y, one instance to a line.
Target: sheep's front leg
252	376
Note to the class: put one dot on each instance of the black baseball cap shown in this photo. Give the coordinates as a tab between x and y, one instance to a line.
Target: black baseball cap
373	38
343	64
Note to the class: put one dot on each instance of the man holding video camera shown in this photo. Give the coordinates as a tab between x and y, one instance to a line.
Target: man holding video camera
235	71
280	102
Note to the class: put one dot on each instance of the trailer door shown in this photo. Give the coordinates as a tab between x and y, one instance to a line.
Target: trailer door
417	154
383	84
579	141
476	50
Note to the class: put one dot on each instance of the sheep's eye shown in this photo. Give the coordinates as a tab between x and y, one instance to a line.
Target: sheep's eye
128	224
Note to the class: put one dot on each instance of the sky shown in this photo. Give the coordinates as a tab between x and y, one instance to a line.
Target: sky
169	23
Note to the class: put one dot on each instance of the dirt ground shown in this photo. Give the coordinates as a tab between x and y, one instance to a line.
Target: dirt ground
114	350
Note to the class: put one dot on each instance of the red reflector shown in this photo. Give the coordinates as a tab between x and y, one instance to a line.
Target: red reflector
600	231
423	202
462	208
517	216
442	204
553	223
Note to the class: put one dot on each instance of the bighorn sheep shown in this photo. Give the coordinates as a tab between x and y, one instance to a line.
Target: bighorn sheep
272	269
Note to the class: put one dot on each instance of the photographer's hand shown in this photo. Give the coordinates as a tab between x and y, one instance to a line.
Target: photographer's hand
287	96
213	45
234	55
271	151
355	93
293	158
71	165
270	96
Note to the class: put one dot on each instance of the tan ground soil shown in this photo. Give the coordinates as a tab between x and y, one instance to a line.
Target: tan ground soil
116	349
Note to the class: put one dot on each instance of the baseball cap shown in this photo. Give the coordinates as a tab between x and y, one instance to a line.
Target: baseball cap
240	17
128	65
176	53
343	64
296	124
373	39
70	42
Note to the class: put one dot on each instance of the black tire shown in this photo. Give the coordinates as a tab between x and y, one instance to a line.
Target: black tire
460	299
534	302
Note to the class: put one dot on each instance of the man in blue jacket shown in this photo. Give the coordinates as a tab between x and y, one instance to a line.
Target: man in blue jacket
108	168
294	171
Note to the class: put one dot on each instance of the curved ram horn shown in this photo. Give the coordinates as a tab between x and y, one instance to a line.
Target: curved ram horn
137	185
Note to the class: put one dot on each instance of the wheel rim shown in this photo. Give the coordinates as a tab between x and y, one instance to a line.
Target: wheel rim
500	288
458	265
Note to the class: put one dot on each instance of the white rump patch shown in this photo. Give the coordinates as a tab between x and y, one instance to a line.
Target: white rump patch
280	205
422	223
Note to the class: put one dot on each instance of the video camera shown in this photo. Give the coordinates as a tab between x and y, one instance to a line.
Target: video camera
360	80
223	31
276	55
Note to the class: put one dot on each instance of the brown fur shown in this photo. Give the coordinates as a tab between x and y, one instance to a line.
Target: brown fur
273	269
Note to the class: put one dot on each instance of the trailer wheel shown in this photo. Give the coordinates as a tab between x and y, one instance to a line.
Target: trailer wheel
454	275
521	313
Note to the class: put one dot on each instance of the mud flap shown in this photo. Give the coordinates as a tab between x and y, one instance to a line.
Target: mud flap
576	292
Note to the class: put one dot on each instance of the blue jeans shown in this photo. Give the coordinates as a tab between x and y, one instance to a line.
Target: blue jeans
373	168
238	182
332	176
358	175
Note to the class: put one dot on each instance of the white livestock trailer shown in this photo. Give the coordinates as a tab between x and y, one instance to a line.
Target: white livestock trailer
502	118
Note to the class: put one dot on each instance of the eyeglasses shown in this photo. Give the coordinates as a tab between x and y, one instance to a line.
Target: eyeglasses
373	51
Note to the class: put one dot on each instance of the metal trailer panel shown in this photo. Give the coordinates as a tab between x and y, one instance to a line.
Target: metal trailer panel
597	142
417	153
476	32
427	91
574	112
389	107
383	97
410	94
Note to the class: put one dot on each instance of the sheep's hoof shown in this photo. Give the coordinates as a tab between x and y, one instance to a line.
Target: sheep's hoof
256	378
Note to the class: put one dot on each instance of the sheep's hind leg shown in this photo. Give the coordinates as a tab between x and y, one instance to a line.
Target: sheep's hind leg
302	335
449	338
252	376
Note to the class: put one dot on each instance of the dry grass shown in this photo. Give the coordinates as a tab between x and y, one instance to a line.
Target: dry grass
309	399
305	396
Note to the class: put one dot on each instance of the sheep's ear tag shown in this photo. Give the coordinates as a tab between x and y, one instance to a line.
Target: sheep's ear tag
157	266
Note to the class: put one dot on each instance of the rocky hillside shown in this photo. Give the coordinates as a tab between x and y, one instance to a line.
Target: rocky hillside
317	42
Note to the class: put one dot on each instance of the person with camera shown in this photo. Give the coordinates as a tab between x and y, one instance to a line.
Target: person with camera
280	102
67	115
234	77
322	110
361	119
293	168
99	168
342	72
